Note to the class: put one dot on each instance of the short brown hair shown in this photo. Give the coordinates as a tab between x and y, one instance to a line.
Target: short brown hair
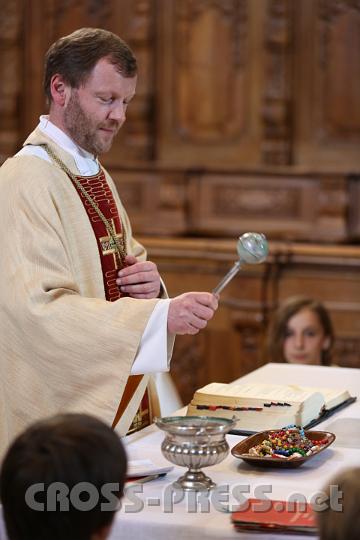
74	56
68	449
280	319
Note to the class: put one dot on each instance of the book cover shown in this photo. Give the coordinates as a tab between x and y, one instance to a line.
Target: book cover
277	516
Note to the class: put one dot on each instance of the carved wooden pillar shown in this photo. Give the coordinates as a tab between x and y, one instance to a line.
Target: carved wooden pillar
277	142
135	22
11	21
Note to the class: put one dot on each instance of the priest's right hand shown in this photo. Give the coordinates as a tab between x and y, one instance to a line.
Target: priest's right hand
190	312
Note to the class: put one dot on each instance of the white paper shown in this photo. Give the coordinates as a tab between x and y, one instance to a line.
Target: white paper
146	467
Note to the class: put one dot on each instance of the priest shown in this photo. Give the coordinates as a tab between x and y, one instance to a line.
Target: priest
84	316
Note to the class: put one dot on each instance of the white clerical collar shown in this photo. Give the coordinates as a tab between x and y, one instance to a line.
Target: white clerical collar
86	163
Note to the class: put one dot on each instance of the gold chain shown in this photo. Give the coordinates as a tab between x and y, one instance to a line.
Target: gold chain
119	244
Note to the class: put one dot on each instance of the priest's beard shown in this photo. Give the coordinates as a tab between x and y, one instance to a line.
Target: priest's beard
84	129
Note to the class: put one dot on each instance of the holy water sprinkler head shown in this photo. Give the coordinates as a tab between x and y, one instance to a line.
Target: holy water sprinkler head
252	248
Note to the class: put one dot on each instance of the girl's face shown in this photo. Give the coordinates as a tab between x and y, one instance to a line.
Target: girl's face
305	338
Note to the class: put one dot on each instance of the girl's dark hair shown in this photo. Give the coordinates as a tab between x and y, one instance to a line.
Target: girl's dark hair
279	321
74	56
70	449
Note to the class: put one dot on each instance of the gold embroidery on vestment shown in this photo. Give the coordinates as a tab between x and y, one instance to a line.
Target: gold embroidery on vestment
108	245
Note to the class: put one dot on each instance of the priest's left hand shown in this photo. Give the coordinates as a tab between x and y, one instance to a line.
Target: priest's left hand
139	279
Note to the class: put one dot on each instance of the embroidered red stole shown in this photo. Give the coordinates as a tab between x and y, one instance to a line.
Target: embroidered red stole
97	187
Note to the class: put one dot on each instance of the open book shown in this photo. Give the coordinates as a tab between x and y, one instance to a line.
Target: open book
258	407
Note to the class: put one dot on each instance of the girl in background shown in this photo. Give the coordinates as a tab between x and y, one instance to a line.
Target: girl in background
301	332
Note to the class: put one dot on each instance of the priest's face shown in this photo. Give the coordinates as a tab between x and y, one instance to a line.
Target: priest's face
305	338
96	110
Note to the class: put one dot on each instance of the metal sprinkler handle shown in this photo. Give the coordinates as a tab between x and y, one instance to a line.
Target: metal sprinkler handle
252	248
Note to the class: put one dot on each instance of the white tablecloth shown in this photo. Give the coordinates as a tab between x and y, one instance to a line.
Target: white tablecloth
150	516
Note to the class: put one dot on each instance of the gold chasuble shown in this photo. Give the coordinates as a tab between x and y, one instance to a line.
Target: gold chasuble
99	204
67	340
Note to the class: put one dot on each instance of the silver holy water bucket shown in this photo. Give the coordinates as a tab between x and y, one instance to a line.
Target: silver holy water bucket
195	442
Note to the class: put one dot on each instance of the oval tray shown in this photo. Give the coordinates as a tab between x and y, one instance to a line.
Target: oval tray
240	450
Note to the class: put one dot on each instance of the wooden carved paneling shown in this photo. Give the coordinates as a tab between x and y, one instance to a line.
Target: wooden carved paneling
155	202
277	142
11	22
291	207
339	35
334	203
69	15
274	201
327	84
207	33
208	82
319	208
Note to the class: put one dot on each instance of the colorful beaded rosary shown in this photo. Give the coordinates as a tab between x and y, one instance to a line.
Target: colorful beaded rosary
289	442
